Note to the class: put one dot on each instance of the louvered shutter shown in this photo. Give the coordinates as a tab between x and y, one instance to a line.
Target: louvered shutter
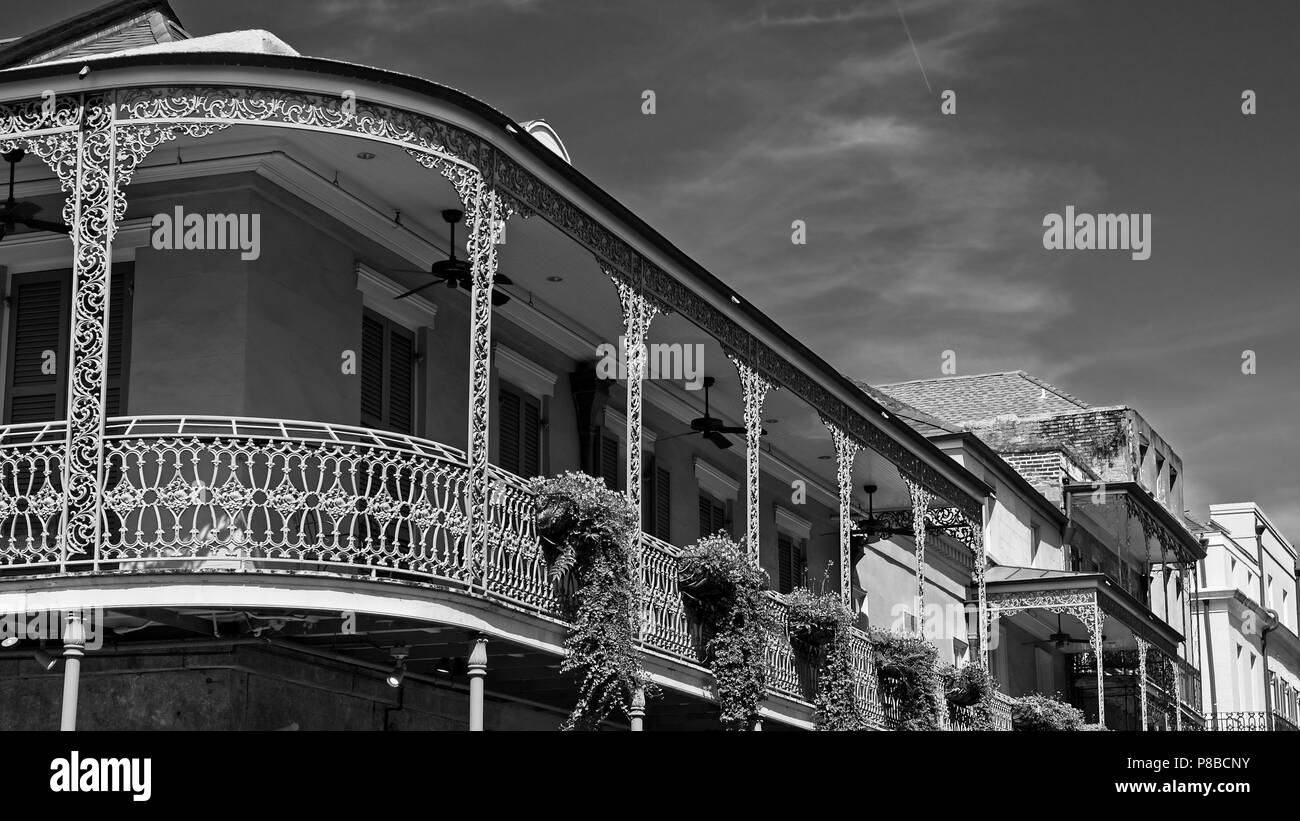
39	309
706	516
400	410
609	461
784	563
508	430
372	370
119	339
648	492
531	438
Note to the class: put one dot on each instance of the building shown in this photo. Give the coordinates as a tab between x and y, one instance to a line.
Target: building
269	414
1089	554
1246	603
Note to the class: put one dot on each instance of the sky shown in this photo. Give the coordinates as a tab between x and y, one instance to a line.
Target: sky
924	229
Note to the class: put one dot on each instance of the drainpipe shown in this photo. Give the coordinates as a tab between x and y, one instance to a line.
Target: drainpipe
1270	624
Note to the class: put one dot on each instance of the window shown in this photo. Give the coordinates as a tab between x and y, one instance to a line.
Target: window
387	374
1076	559
656	511
1034	537
792	563
713	516
519	432
36	384
609	462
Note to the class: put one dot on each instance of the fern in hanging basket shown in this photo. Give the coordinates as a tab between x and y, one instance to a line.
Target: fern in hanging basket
722	589
908	674
816	618
823	624
587	530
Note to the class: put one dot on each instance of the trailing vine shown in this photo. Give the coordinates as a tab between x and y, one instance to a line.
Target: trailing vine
587	530
971	686
1040	713
822	622
1163	675
909	676
723	591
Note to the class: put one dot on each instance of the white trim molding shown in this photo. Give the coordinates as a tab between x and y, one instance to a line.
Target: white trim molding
519	370
796	526
713	480
380	294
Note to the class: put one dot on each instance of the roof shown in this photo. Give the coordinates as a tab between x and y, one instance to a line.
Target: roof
116	26
985	396
918	419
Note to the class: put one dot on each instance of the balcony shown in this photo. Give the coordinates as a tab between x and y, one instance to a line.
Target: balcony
1250	721
235	495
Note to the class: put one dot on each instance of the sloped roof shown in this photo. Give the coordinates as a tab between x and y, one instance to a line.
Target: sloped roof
918	419
116	26
984	396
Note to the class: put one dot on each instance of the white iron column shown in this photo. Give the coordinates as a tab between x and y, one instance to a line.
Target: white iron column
638	312
477	672
485	215
1094	625
978	543
921	499
74	644
1142	646
755	389
637	711
846	450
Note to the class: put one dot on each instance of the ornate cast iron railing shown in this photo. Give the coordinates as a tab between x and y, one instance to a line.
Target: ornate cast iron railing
1256	721
260	495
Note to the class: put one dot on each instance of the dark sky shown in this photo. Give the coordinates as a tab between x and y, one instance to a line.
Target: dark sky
925	231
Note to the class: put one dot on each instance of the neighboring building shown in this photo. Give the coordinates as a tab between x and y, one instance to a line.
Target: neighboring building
1247	621
1109	571
282	477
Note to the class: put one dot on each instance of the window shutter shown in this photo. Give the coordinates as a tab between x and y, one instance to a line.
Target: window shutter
401	379
508	430
119	339
609	460
663	510
39	321
372	371
706	516
785	563
531	434
648	500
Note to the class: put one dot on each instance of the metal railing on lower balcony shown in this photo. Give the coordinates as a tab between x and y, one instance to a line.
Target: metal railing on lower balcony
260	495
1256	721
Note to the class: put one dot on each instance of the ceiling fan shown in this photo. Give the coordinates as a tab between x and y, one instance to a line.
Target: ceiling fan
455	271
711	427
14	213
1060	638
871	530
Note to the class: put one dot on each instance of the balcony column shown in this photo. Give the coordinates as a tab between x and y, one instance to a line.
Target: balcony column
977	542
1092	622
1142	647
846	450
477	672
485	215
1178	698
74	644
755	391
637	711
921	499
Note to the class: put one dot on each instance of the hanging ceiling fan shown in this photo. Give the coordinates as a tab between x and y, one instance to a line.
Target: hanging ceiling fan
1060	638
14	213
455	271
871	530
711	427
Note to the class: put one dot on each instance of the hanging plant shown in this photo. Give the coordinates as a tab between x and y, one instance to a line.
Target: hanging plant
822	627
587	530
909	676
1164	676
971	686
723	591
1039	713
